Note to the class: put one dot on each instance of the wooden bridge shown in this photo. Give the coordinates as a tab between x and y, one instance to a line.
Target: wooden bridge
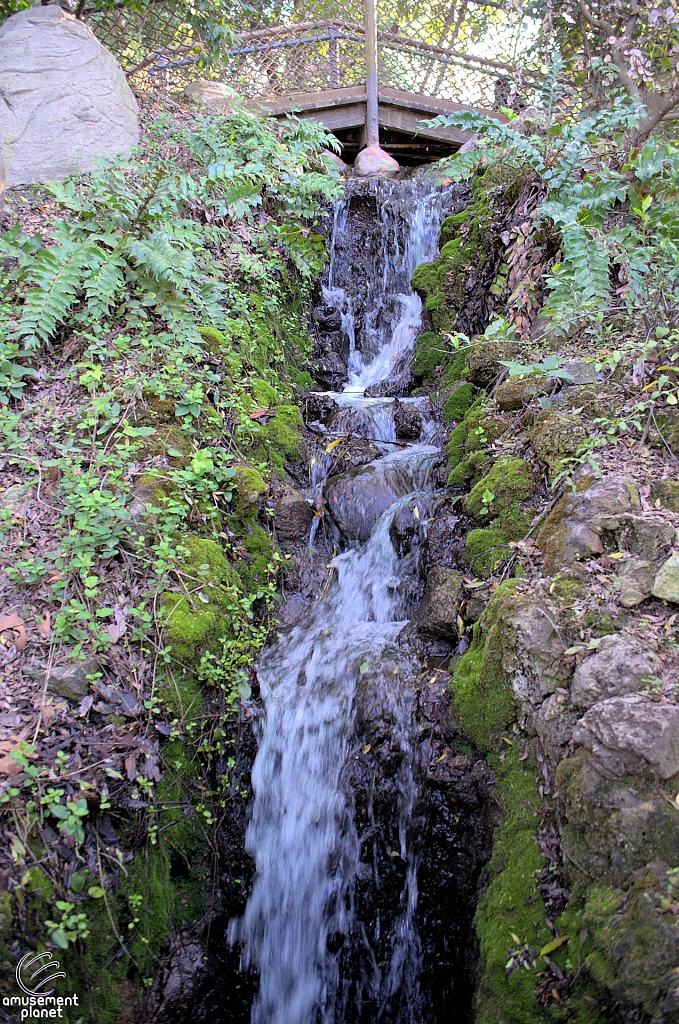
372	71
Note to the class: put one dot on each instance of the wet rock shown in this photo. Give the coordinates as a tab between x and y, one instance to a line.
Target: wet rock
408	528
588	399
558	434
178	975
356	499
436	615
515	393
393	387
318	408
327	319
68	680
573	529
632	734
619	665
666	583
329	371
407	421
293	514
445	540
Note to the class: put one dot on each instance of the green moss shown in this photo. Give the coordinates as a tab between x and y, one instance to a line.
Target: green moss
482	698
429	353
482	427
254	571
510	481
454	368
511	905
284	430
218	344
451	226
264	394
458	403
485	549
36	881
194	621
468	469
455	446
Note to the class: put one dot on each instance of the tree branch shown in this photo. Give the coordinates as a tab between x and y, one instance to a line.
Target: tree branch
647	126
603	26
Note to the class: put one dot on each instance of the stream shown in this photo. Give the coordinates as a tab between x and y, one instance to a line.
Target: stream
333	925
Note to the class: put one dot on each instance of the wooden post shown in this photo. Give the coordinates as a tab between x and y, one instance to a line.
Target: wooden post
372	120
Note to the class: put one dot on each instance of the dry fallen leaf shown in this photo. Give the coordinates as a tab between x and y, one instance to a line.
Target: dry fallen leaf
44	626
16	624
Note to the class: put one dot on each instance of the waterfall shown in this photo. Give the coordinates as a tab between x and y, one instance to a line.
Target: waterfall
301	915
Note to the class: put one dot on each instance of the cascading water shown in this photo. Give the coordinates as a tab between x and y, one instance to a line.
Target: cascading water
317	960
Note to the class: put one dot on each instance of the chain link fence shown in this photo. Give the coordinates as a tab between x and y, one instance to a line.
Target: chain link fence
468	52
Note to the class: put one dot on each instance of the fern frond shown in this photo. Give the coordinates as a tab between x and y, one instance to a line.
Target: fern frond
103	283
56	275
158	258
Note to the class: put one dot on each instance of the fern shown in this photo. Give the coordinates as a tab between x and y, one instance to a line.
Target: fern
56	276
103	284
158	257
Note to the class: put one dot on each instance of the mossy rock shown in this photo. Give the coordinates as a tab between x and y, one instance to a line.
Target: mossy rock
250	489
483	700
202	617
469	469
455	445
510	481
482	362
485	549
254	570
458	403
264	394
218	344
482	426
511	905
284	431
666	493
450	228
429	353
454	368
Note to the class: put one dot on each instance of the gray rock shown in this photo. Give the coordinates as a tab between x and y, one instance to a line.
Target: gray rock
513	394
619	666
210	94
632	734
407	421
573	529
581	372
68	680
319	407
554	724
666	583
436	615
64	101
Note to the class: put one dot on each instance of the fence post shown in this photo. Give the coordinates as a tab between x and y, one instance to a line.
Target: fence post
372	118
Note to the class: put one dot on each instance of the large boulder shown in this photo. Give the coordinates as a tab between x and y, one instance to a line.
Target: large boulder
619	665
573	529
64	101
632	735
